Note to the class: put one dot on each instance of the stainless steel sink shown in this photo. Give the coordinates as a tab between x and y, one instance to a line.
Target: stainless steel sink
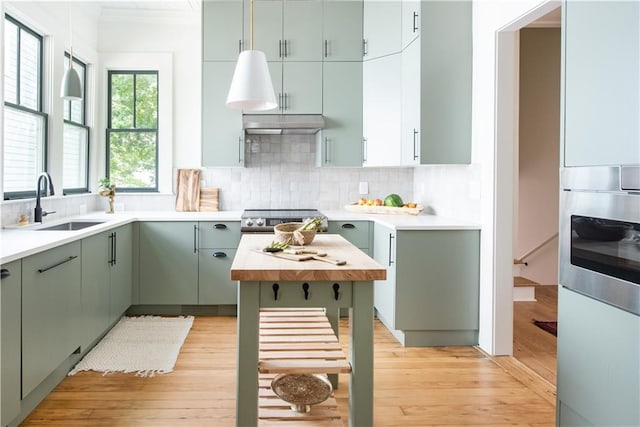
70	226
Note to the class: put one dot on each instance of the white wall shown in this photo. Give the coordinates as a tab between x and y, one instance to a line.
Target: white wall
539	153
496	282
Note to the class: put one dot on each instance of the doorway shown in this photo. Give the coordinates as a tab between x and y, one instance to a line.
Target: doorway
527	166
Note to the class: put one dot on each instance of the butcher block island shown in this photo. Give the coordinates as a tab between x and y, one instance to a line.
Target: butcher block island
269	282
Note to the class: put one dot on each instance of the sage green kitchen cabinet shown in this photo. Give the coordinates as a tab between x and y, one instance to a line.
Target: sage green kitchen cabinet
382	28
121	272
601	82
341	139
168	263
222	134
218	234
381	115
431	295
215	284
222	30
51	312
358	233
436	86
298	87
10	292
598	363
410	21
287	30
342	30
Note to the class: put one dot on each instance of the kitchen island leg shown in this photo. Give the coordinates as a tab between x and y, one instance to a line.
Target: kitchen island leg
247	375
361	355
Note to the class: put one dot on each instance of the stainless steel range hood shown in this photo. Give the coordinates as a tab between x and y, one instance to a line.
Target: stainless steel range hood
282	124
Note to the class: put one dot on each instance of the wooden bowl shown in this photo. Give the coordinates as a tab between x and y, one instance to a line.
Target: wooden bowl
288	233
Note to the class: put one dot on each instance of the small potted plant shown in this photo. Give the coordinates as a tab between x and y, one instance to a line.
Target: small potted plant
107	189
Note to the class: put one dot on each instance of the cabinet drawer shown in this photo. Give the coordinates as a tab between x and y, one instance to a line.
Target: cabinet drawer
219	234
356	232
214	280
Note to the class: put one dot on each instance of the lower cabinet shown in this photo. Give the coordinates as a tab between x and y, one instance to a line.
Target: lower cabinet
215	285
168	263
106	280
10	336
598	368
431	294
358	233
51	312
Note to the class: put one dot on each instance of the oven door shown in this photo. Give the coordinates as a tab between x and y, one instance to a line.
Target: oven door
600	246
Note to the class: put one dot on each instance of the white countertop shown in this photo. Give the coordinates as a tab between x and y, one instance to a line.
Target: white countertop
18	242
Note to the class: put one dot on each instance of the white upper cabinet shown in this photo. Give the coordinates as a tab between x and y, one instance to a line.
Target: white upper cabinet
286	30
410	132
601	83
222	30
382	28
410	21
342	30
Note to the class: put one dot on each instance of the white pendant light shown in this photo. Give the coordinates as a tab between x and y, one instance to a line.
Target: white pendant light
251	87
71	88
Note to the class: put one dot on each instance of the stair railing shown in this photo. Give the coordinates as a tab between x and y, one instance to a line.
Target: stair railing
521	260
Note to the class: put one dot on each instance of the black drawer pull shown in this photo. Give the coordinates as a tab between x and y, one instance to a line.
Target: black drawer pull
42	270
305	288
348	225
4	273
275	288
220	226
336	291
219	255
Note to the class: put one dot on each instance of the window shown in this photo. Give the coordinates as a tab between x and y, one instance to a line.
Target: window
25	124
75	161
132	130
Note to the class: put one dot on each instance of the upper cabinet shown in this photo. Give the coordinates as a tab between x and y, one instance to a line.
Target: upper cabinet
286	30
342	30
382	28
601	82
410	21
222	30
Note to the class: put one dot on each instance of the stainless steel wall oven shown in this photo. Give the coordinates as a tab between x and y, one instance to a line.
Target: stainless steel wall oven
600	234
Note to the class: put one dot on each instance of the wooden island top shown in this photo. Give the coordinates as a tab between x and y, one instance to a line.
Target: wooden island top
250	264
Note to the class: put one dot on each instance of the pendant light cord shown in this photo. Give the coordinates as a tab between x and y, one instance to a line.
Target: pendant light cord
71	37
251	27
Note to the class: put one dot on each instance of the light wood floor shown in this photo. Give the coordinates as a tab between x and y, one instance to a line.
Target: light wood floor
533	346
413	387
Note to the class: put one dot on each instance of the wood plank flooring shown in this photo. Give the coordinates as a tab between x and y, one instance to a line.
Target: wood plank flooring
531	345
437	386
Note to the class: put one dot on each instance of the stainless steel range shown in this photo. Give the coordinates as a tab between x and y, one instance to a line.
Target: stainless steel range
263	220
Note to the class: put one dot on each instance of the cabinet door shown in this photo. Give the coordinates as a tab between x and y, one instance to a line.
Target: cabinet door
168	263
381	111
267	28
51	312
384	247
601	83
341	139
121	272
10	335
302	30
411	104
216	286
382	28
410	21
275	70
222	140
342	28
302	87
222	37
598	368
96	266
357	233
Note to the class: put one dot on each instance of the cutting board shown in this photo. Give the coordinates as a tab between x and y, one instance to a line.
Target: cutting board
188	190
209	201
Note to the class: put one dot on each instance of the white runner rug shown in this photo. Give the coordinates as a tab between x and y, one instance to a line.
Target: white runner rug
147	345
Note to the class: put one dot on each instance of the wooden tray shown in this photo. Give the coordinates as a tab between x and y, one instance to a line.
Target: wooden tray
385	210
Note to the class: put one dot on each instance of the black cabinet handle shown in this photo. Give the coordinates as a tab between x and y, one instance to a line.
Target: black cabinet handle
336	291
305	289
275	288
415	150
64	261
195	238
326	48
110	249
365	47
348	225
415	22
4	273
219	255
240	46
390	241
280	48
220	226
115	248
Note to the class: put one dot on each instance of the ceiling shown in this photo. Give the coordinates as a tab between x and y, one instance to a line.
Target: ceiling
149	5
